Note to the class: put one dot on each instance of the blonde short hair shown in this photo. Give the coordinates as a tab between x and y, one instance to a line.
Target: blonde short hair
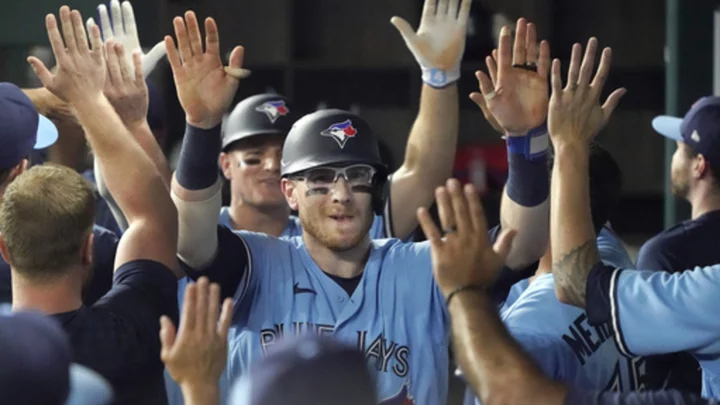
46	215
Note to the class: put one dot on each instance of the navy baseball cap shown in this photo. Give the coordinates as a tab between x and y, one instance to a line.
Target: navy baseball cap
699	129
309	370
23	129
36	364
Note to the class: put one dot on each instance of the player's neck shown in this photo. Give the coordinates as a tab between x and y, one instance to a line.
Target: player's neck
57	296
271	221
347	264
703	200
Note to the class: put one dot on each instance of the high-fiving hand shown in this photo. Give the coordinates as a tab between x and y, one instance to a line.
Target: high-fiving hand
439	43
80	72
125	87
196	353
575	114
463	256
205	89
123	30
515	96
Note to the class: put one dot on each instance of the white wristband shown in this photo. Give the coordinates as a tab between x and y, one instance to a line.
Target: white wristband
440	78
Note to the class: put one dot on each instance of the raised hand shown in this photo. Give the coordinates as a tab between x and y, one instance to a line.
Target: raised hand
463	255
516	93
123	30
439	43
196	354
80	74
575	114
125	88
205	89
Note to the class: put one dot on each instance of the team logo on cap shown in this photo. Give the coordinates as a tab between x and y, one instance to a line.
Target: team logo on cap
403	397
273	109
340	132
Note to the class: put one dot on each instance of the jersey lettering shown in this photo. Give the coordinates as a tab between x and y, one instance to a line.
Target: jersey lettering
582	340
636	375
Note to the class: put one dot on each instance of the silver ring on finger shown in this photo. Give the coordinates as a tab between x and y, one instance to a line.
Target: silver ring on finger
489	96
450	229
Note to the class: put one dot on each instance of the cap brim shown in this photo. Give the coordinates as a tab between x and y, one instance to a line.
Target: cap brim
47	133
87	387
668	126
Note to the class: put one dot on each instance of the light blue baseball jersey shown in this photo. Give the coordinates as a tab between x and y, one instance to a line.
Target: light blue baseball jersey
657	313
396	315
378	230
559	338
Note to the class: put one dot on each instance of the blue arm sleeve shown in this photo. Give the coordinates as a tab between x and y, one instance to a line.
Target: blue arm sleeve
657	312
670	397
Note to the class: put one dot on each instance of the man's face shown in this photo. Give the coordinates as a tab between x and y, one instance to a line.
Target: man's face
681	171
253	168
334	209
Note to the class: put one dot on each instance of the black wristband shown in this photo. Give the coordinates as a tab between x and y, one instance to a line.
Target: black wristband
528	182
469	287
197	167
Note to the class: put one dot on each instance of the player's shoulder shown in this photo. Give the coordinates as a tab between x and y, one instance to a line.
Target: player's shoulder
534	304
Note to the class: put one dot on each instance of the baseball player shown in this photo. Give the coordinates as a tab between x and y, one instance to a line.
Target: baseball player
497	369
48	212
695	173
553	333
378	295
24	131
649	312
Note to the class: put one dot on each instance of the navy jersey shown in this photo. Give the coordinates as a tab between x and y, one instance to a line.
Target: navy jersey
683	246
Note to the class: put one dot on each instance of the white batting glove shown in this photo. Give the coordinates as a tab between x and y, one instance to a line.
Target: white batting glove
439	43
123	30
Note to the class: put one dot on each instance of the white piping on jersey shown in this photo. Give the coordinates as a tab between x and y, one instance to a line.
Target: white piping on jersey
614	315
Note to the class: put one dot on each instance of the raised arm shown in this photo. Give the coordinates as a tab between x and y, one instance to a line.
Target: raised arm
129	99
464	265
438	46
514	99
130	175
575	117
205	90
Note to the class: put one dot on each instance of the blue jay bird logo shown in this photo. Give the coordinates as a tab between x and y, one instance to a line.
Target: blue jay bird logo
340	132
403	397
273	109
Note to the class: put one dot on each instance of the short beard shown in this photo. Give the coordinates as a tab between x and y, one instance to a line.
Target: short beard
312	228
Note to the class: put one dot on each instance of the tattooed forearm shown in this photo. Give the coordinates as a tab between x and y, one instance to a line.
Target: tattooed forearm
571	272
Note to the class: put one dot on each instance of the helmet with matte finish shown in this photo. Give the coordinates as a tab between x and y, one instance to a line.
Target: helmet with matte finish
261	114
329	137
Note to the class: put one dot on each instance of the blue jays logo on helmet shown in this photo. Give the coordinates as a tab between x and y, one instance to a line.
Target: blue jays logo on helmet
273	109
403	397
340	132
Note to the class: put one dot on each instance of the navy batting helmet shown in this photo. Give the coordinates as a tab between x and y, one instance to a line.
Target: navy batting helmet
261	114
328	137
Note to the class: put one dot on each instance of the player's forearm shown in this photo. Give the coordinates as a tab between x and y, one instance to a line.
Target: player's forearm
533	231
107	196
429	156
128	172
144	136
525	206
574	249
494	365
196	192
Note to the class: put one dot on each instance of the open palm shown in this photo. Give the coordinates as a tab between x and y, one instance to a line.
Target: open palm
204	87
516	93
